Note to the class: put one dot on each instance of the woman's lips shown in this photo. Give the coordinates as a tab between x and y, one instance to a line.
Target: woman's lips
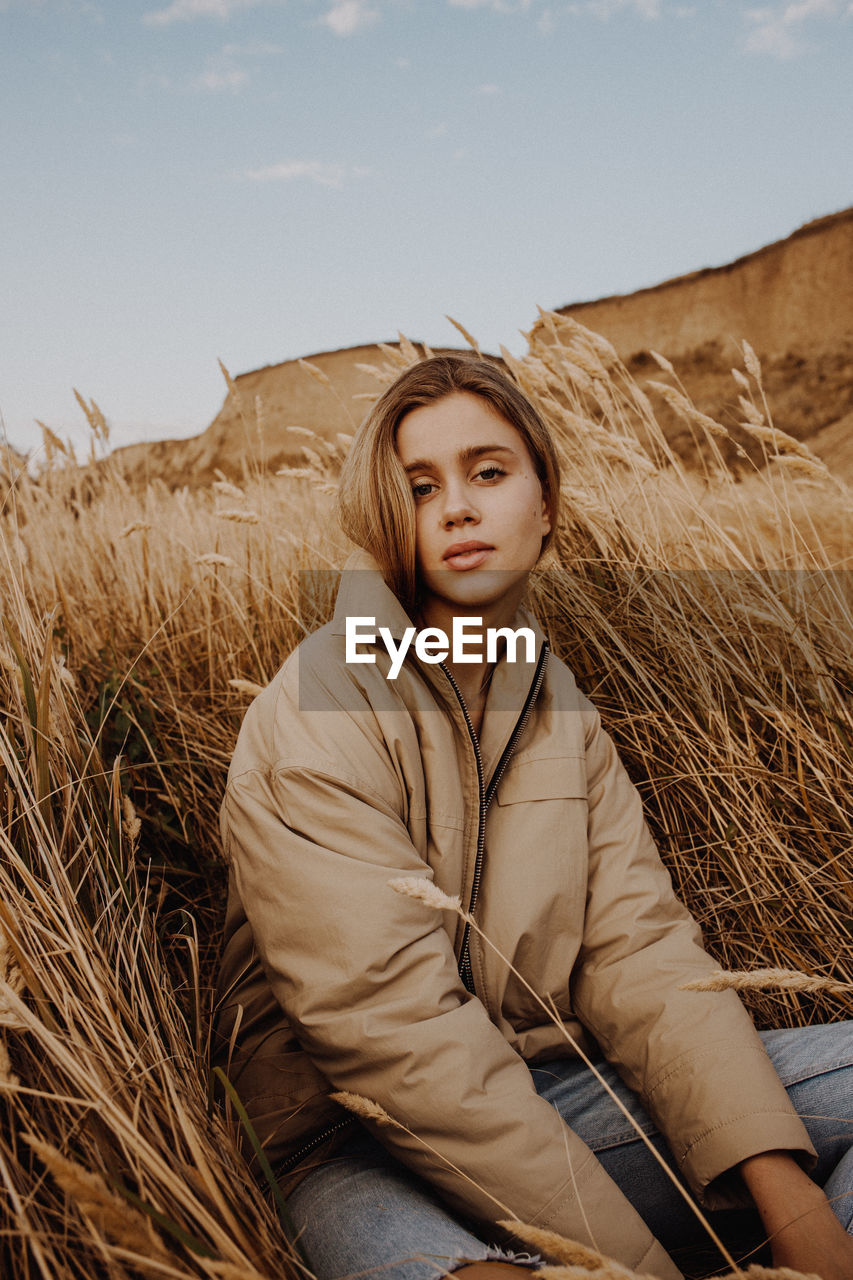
467	556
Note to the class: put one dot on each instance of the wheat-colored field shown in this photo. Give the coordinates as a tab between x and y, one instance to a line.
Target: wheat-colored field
709	618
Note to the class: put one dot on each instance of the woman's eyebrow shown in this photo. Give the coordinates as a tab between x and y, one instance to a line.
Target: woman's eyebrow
464	455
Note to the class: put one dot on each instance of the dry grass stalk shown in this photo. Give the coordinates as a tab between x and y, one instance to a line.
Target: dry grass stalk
372	1111
407	349
315	372
227	489
569	1253
87	1191
385	376
811	467
363	1107
472	342
783	443
768	980
216	561
750	359
754	417
246	686
229	381
680	403
312	457
239	516
8	1079
427	892
130	823
662	362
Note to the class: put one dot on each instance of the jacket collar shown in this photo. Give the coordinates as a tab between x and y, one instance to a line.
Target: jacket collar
363	592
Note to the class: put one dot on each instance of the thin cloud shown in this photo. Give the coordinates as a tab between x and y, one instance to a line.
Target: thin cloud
190	10
348	16
325	175
221	79
777	30
252	49
80	8
604	9
487	90
224	71
499	6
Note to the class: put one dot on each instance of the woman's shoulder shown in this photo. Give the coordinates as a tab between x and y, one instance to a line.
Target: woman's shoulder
560	683
567	719
317	709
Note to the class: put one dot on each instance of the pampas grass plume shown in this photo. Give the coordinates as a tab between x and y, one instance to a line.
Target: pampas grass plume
116	1219
239	517
246	686
215	560
363	1107
426	892
569	1253
750	359
766	980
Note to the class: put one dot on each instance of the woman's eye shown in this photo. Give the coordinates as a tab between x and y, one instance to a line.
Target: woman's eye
422	490
491	472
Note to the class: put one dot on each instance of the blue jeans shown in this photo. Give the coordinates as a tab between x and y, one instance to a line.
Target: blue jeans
365	1212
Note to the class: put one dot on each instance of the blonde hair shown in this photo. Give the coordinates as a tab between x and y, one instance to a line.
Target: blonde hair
375	504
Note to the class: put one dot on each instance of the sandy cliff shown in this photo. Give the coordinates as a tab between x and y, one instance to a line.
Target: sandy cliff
793	301
794	295
251	428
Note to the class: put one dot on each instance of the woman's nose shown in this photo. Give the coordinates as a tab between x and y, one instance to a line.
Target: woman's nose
458	507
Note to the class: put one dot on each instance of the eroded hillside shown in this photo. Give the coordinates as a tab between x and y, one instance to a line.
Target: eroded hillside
792	301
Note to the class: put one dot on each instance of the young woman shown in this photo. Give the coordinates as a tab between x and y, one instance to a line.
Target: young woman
364	762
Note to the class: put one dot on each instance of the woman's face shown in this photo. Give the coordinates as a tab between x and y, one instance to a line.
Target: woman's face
480	511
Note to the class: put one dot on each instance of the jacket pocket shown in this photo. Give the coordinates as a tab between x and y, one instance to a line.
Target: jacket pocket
553	778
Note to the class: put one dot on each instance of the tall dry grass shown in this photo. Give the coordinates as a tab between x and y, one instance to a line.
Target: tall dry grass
708	617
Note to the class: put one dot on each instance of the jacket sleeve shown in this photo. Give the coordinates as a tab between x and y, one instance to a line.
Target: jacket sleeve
369	982
695	1058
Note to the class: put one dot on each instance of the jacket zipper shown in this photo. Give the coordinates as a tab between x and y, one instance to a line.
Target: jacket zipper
485	797
464	955
290	1162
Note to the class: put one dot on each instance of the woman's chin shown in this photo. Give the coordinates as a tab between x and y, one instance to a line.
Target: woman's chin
477	588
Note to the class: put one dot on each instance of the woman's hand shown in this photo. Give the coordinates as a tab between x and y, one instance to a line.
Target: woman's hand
805	1234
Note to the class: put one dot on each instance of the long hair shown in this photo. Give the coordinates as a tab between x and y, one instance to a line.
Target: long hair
375	504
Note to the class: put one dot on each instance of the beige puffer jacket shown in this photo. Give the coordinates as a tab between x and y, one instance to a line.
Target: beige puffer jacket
330	980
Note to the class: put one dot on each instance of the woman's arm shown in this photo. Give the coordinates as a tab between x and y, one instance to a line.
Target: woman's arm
804	1232
694	1057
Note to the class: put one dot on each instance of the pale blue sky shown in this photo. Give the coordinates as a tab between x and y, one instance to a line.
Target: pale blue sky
262	179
